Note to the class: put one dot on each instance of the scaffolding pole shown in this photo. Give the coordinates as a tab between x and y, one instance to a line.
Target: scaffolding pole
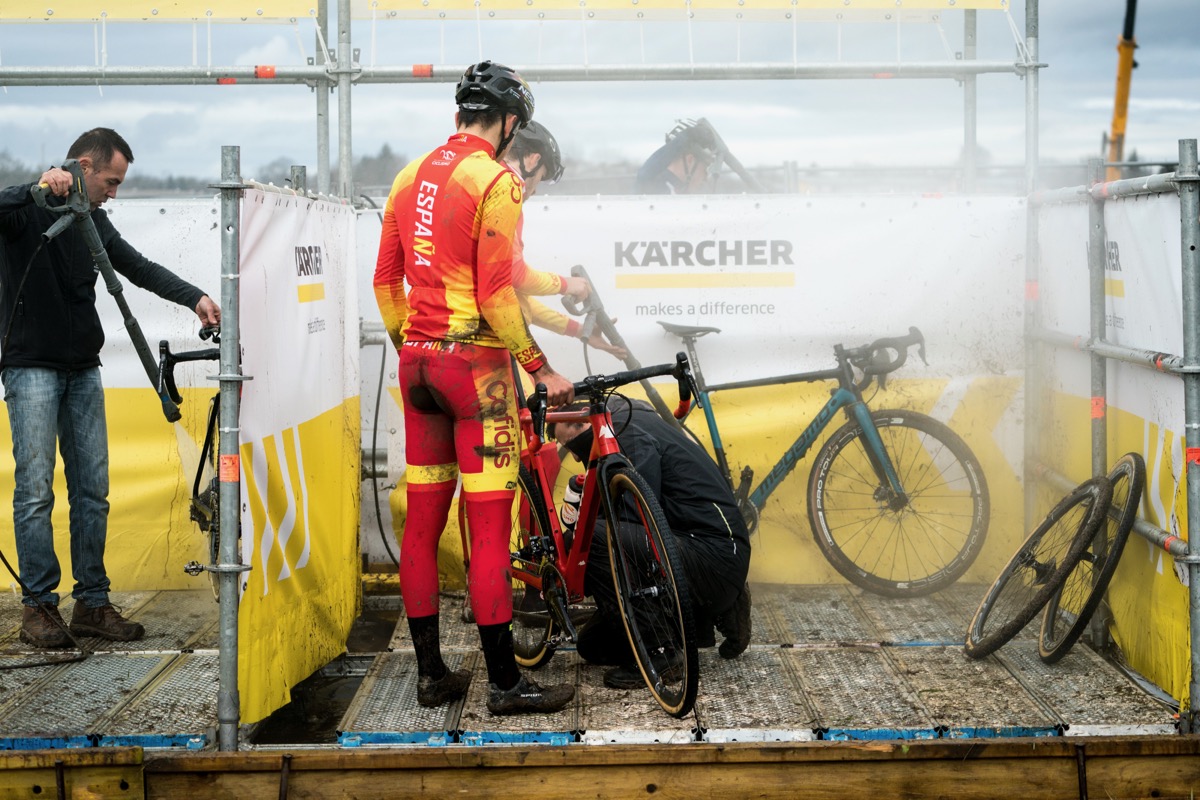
1186	182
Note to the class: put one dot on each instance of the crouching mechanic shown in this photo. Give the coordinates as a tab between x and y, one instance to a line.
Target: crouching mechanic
711	536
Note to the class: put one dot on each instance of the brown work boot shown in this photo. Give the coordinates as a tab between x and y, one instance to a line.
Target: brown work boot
105	622
44	628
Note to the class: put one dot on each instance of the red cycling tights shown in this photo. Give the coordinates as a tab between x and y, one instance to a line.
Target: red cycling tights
460	415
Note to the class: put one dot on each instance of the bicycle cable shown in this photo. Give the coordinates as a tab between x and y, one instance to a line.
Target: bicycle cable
374	446
375	429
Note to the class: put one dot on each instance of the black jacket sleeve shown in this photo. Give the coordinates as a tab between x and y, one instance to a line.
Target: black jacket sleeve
140	270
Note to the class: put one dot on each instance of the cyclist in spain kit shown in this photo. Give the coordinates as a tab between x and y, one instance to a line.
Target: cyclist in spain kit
534	155
448	233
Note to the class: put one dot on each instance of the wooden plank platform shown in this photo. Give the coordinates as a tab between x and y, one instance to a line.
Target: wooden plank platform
841	693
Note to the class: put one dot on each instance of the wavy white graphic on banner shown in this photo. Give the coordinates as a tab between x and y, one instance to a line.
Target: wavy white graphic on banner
272	537
287	525
1166	517
302	561
258	461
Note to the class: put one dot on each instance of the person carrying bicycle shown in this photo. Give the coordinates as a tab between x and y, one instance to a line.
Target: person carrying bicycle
709	530
448	232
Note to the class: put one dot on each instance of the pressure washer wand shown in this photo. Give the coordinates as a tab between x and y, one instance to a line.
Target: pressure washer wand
77	210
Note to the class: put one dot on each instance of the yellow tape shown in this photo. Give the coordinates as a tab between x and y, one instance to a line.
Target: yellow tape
1114	287
153	10
704	280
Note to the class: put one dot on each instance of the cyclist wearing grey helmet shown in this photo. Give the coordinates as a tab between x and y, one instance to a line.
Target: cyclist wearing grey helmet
684	164
444	284
535	156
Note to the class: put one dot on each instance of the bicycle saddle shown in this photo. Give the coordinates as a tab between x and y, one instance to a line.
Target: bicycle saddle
695	331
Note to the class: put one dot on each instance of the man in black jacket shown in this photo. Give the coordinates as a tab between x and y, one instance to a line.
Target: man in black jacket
711	536
50	366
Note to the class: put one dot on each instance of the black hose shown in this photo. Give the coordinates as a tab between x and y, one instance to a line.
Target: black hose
375	433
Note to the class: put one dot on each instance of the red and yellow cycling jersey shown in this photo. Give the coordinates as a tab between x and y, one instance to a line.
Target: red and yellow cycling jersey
448	231
526	279
536	313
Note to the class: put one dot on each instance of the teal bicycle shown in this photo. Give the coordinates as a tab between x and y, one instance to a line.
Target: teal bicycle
897	502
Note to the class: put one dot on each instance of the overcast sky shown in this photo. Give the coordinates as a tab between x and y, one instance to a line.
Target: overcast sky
180	129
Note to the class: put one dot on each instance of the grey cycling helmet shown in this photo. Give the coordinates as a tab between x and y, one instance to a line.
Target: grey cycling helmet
696	137
487	85
535	138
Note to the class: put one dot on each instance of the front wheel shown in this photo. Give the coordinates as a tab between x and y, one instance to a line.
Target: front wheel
1039	567
529	529
899	549
652	592
1071	607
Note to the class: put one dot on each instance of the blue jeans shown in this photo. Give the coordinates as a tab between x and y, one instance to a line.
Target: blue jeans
45	405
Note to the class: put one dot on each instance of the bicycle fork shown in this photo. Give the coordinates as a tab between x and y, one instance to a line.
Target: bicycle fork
889	491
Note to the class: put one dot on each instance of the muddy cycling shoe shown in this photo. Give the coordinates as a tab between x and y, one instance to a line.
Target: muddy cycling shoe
670	669
734	625
44	628
106	622
450	686
528	698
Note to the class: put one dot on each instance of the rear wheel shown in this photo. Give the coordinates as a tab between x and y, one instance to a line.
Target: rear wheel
529	534
899	550
1071	607
652	592
1038	568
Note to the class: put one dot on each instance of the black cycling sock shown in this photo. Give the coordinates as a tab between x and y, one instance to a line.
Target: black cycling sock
427	643
498	655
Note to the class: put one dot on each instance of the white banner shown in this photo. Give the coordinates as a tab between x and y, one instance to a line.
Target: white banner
299	442
1144	410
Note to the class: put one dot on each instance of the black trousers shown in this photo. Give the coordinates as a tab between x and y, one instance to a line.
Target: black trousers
715	570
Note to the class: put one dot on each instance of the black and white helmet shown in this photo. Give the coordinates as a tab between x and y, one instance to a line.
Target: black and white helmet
488	85
696	137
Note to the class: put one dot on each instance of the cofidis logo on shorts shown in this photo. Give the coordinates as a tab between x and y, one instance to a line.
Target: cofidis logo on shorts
310	272
706	263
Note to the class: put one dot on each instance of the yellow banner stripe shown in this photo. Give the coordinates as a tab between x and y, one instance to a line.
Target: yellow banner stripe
154	10
311	292
1114	287
703	280
842	10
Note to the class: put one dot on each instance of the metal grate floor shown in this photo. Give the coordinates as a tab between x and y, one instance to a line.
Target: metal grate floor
826	662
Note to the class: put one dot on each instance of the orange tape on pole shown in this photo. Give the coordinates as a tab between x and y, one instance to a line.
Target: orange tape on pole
1098	408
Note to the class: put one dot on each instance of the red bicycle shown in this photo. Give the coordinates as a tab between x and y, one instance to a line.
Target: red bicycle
647	570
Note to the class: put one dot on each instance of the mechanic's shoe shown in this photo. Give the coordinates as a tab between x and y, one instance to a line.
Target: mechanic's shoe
735	626
670	668
449	687
44	628
106	622
529	698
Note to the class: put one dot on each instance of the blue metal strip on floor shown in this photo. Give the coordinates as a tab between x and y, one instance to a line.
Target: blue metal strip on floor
183	741
877	734
357	739
45	742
